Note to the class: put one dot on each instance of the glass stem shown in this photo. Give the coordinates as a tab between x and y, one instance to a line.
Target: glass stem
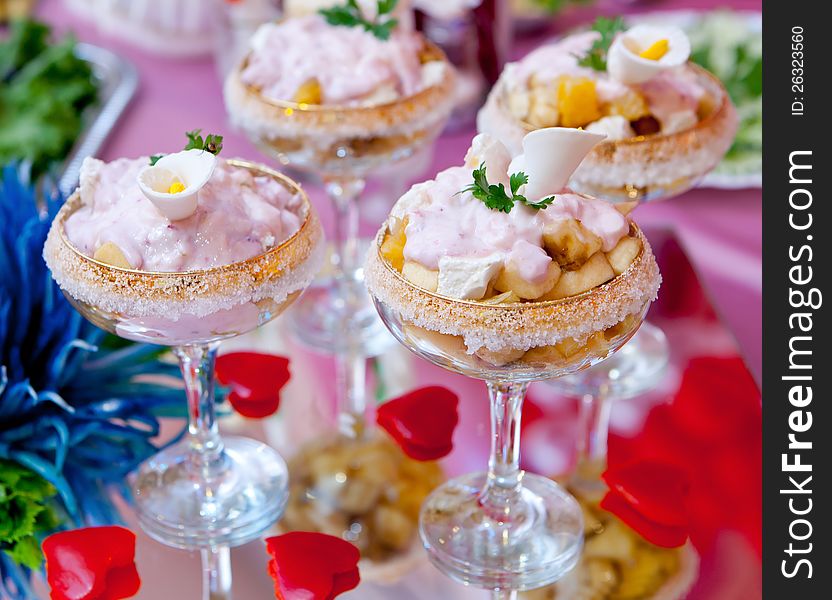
197	365
593	432
216	573
350	362
504	475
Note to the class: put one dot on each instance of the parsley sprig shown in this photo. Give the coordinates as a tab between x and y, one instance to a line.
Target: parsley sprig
495	196
350	15
210	143
596	57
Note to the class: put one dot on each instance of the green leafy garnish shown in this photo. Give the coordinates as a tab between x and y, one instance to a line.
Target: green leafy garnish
211	143
596	57
495	196
350	15
24	513
555	6
45	90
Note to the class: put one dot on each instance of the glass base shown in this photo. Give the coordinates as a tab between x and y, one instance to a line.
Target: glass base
186	505
540	544
315	320
635	369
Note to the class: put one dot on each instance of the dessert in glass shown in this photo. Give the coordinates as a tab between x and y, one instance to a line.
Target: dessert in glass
668	122
186	253
496	270
341	102
341	97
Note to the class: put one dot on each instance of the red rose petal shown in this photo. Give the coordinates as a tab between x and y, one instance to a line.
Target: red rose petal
255	380
422	422
312	566
653	489
93	563
666	536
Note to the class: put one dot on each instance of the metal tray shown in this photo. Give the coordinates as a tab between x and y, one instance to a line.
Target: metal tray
118	81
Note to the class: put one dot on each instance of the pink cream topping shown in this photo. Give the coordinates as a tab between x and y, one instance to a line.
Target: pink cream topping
443	222
551	61
351	65
240	215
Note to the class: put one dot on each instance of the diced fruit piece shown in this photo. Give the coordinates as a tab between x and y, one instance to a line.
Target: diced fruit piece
509	280
450	345
392	248
619	328
499	358
420	276
577	102
656	50
543	107
646	125
519	103
504	298
570	348
393	528
570	243
546	355
111	254
309	92
624	254
631	105
594	272
625	208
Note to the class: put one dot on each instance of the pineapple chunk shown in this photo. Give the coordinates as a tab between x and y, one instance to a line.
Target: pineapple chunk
543	108
630	105
569	348
577	102
620	328
392	248
420	276
509	280
111	254
624	254
498	358
569	242
594	272
547	355
309	92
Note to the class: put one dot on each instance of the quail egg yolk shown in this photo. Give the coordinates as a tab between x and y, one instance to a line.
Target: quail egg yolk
176	187
656	50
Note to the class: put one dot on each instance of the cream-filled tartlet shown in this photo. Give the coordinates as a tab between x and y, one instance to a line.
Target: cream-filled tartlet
333	91
497	263
190	249
668	122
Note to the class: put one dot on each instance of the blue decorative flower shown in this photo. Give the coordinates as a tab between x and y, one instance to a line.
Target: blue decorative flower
76	405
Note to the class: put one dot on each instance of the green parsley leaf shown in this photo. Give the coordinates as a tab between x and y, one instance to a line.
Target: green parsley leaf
25	513
495	196
596	57
350	15
211	143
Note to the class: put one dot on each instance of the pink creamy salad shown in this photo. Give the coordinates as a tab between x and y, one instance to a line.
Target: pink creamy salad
351	65
668	92
239	216
443	222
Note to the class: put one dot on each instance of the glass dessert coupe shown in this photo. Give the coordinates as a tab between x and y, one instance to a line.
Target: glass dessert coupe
342	143
205	492
507	530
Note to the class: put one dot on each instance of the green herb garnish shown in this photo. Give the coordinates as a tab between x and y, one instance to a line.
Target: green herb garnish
596	57
350	15
25	513
211	143
495	196
45	90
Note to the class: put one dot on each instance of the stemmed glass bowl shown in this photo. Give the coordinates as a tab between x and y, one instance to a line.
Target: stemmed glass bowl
506	529
205	492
